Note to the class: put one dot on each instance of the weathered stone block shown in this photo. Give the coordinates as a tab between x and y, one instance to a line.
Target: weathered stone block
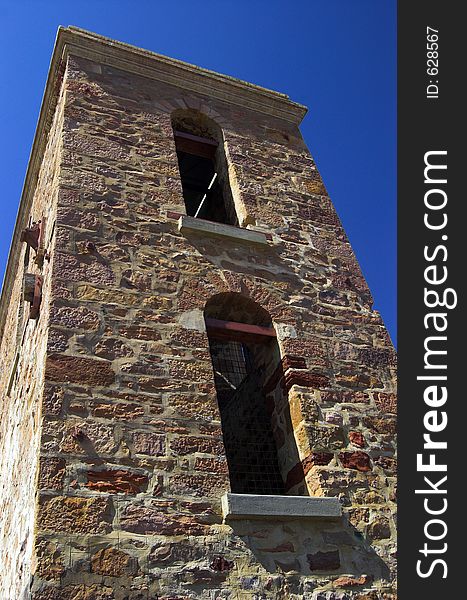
116	481
74	318
211	465
346	581
84	437
381	425
53	399
57	340
72	217
338	396
319	437
111	348
357	438
303	406
148	443
112	562
51	473
212	486
141	519
50	560
379	529
180	552
70	268
74	369
387	403
356	460
75	592
188	444
199	407
137	332
75	515
121	411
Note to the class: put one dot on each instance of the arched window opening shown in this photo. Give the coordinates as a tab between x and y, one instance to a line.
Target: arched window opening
255	424
203	167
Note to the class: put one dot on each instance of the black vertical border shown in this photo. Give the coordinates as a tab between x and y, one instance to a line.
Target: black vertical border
428	125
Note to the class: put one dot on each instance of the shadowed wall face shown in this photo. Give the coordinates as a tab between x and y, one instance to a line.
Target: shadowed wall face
22	363
127	433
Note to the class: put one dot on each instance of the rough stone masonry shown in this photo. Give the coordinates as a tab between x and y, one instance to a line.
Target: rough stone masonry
113	462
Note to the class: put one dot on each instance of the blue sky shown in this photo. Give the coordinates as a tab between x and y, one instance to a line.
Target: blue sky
336	57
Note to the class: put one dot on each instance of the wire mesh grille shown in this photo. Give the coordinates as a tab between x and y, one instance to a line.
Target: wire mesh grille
246	425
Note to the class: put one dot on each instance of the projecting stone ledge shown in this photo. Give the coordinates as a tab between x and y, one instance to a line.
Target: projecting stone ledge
250	506
190	224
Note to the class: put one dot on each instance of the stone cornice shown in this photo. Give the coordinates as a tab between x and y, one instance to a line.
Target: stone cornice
78	42
125	57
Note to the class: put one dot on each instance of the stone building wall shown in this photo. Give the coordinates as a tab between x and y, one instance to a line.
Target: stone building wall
23	352
132	465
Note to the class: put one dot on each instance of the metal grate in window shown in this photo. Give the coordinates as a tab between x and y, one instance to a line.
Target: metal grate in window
249	443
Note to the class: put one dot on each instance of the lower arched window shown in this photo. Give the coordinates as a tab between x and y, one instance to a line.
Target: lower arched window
255	425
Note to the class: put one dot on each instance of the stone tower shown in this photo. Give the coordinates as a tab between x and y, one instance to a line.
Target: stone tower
198	400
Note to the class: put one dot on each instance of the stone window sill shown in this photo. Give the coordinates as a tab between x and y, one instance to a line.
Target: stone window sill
191	225
251	506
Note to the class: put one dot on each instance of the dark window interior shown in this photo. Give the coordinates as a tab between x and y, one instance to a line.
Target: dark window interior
202	180
246	422
259	438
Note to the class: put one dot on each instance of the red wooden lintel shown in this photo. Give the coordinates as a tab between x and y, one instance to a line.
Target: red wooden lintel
193	144
195	138
232	330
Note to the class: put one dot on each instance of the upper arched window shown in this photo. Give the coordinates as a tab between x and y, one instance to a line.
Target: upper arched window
203	167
